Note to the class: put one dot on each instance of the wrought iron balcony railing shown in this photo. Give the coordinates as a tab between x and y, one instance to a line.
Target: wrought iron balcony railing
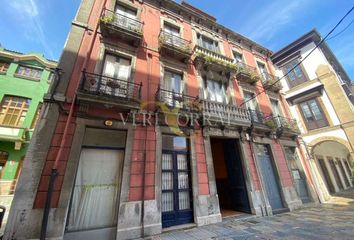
176	42
178	100
225	112
118	20
286	123
247	73
256	116
270	81
107	86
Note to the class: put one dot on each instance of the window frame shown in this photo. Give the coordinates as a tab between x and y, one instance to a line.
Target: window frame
315	123
215	43
235	53
3	66
20	75
297	80
23	111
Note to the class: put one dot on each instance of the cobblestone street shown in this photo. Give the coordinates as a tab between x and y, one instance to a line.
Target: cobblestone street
333	220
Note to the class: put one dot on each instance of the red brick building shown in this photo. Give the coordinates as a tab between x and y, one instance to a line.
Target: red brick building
158	118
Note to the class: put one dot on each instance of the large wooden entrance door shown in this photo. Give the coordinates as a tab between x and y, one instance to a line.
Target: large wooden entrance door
176	198
270	182
237	185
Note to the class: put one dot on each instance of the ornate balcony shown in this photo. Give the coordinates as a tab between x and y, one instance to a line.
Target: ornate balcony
270	82
174	46
215	113
246	73
115	24
102	89
286	126
213	60
178	101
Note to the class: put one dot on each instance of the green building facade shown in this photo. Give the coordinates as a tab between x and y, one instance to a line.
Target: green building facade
24	80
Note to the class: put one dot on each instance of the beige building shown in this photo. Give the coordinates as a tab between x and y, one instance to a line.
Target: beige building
320	97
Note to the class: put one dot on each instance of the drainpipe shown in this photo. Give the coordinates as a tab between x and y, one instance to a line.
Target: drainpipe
258	172
54	172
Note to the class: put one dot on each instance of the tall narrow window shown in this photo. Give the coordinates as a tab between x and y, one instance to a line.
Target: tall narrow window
3	158
276	108
216	91
29	72
263	70
171	35
13	111
3	67
313	114
237	57
208	43
127	12
116	67
252	105
295	76
173	84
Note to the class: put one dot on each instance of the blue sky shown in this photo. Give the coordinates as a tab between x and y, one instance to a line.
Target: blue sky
43	25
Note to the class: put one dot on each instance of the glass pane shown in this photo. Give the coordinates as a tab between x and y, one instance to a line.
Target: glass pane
183	181
315	110
182	162
298	72
167	181
174	143
183	200
167	163
167	202
306	111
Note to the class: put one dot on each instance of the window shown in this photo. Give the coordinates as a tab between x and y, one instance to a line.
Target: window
29	72
116	67
216	91
51	77
3	158
263	70
4	66
295	76
127	12
173	30
172	82
237	57
251	104
313	114
172	35
13	110
275	107
36	117
208	43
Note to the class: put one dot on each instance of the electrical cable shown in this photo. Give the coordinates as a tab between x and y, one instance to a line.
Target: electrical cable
296	65
341	31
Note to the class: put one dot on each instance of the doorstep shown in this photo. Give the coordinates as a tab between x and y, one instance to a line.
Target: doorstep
179	227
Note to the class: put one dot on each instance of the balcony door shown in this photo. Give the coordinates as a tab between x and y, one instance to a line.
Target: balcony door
276	111
172	35
116	72
126	12
251	104
216	91
173	86
263	70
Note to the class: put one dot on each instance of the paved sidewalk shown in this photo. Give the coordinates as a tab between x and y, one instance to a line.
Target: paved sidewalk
332	220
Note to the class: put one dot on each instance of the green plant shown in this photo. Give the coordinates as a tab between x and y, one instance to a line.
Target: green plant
270	124
212	60
107	19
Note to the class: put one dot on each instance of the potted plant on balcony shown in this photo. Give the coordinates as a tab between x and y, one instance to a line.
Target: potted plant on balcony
271	124
107	19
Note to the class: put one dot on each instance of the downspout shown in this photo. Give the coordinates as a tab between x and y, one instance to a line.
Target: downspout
144	163
258	172
54	172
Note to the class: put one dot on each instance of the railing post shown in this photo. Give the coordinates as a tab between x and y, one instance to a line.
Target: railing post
99	83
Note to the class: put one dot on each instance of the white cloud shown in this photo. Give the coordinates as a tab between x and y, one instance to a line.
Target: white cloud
27	14
268	21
